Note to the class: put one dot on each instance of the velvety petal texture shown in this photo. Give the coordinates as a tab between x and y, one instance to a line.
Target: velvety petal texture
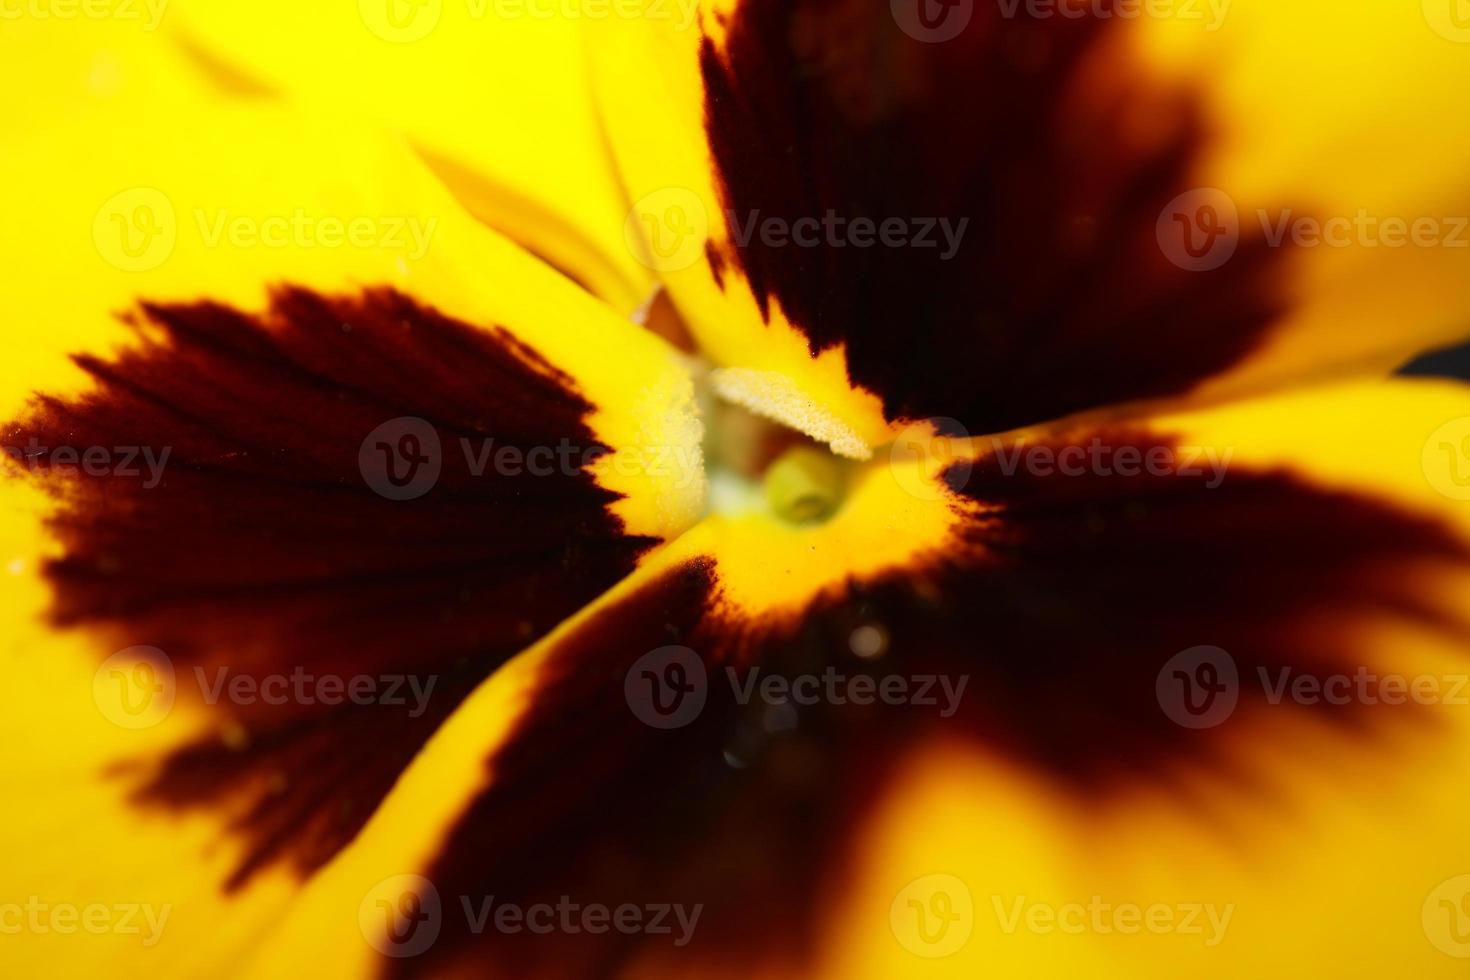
1026	211
370	612
297	451
648	765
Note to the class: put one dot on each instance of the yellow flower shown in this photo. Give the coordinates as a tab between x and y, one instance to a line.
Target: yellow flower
845	489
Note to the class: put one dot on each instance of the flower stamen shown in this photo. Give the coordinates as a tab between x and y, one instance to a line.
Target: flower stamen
805	485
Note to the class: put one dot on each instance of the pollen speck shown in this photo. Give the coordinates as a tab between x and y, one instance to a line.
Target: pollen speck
869	641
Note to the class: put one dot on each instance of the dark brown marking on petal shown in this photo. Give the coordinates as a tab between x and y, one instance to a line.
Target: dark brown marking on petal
661	317
228	77
592	804
264	551
1448	362
1039	132
1098	579
1069	596
716	263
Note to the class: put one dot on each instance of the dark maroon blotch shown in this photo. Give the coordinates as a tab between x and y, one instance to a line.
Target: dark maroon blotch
265	550
1040	135
1061	605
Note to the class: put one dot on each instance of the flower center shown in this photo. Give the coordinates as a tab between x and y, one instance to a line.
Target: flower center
755	464
805	485
768	446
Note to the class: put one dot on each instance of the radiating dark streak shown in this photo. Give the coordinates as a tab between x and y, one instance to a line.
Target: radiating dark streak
1060	298
1068	596
264	548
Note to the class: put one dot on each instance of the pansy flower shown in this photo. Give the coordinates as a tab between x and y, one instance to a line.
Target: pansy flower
682	488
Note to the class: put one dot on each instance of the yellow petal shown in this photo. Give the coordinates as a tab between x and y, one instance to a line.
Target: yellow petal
491	94
1071	287
219	201
1239	871
1070	824
651	97
767	570
224	232
1345	132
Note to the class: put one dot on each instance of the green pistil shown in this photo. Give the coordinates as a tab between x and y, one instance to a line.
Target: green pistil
805	486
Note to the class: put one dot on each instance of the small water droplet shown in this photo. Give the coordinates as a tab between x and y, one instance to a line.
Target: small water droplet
869	641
